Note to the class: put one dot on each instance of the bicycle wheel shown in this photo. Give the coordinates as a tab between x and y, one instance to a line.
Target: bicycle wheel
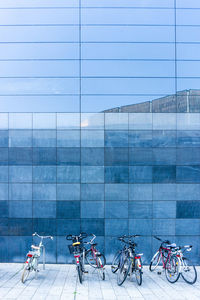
189	272
123	270
155	261
138	271
172	269
116	262
80	274
100	268
26	272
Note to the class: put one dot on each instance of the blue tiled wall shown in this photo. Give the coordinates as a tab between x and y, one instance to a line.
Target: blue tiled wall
121	182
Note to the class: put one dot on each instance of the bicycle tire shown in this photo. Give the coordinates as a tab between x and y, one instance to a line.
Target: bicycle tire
172	269
100	269
125	268
185	270
116	261
154	258
138	276
80	274
25	274
138	271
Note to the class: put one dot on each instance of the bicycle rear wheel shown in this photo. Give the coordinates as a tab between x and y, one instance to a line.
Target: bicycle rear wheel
100	268
80	273
116	262
155	261
172	269
138	276
189	272
123	270
25	274
138	271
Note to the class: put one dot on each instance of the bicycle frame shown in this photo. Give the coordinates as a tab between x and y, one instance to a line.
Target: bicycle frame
164	262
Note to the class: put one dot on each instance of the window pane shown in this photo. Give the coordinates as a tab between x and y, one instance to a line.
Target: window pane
127	3
92	121
39	103
68	121
20	121
4	120
39	3
127	51
34	86
68	138
44	121
44	138
140	121
39	16
20	138
116	121
39	34
39	68
128	86
92	138
128	68
127	16
188	51
188	17
187	34
187	4
128	34
188	68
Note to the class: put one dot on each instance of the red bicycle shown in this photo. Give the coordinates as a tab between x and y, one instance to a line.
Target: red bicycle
165	256
95	258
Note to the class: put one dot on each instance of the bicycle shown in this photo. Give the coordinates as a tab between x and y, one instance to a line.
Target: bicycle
95	258
186	268
168	259
33	257
78	251
127	262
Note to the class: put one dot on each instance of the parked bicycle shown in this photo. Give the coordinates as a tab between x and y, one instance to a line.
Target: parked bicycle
126	261
77	250
33	257
166	257
95	258
186	267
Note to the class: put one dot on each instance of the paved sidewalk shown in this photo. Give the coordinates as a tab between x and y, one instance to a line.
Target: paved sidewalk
61	282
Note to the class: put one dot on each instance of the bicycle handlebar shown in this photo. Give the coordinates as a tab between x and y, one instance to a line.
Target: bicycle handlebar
163	242
42	236
91	241
81	236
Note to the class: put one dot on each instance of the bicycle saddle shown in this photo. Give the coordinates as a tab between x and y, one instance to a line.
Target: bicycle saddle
94	244
173	245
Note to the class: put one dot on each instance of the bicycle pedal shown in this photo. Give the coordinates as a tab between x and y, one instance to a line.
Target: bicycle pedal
86	272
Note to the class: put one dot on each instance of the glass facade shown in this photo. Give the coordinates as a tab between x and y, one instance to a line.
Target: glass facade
99	123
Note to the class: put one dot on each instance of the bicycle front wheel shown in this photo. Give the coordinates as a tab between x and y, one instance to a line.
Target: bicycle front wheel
172	269
155	261
123	270
116	261
25	274
189	272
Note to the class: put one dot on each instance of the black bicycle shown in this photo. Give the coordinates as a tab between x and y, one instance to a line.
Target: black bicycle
77	250
126	261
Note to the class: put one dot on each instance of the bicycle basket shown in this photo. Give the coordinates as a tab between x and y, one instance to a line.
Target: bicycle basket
71	249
